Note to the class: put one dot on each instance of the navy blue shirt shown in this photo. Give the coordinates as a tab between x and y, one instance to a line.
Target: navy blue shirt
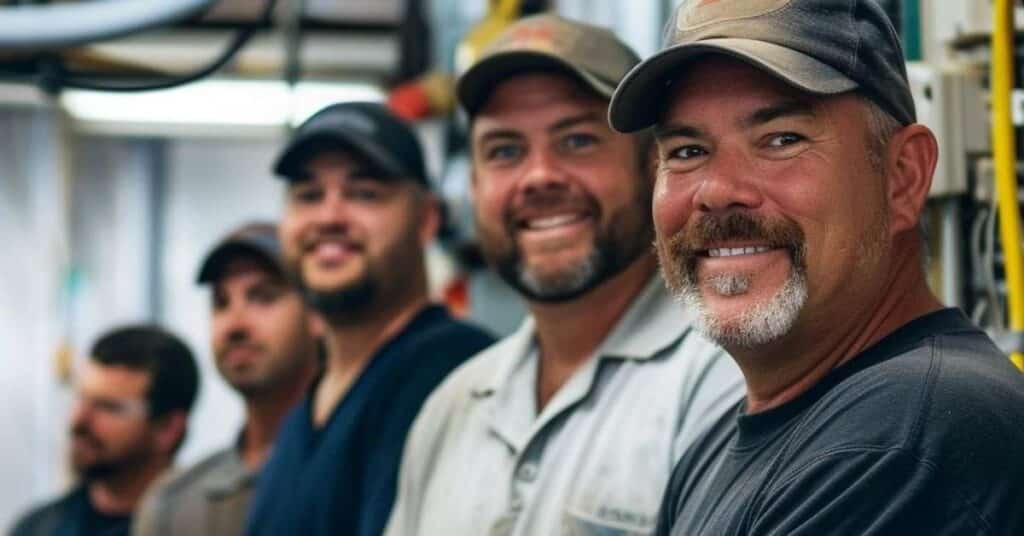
341	478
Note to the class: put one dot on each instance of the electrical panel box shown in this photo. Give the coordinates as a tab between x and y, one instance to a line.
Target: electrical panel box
951	102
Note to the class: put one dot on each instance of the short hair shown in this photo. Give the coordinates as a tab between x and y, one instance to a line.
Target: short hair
173	374
881	126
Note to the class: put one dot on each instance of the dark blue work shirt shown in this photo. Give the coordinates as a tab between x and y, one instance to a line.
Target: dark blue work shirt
340	479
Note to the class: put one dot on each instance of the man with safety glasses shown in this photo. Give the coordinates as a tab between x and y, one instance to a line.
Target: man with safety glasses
130	416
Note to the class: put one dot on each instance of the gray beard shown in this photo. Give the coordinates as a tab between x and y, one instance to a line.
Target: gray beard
763	323
564	286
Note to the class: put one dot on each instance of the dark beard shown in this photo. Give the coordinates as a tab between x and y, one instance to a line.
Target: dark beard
99	471
612	253
342	305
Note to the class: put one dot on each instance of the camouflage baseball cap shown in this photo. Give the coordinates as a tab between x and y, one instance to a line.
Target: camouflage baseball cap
545	42
825	47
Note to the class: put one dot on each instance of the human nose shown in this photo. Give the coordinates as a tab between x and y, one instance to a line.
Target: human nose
543	175
727	184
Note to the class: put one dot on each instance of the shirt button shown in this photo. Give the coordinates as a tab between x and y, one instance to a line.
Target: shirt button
528	472
517	502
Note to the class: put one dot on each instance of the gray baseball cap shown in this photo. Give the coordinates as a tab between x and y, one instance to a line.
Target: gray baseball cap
547	42
257	239
824	47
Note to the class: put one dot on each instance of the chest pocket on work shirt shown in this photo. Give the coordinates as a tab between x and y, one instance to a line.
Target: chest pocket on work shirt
626	524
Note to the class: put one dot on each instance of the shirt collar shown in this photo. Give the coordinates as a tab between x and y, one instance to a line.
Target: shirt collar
653	322
229	475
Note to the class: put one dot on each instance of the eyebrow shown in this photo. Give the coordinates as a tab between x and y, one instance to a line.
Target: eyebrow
777	111
758	117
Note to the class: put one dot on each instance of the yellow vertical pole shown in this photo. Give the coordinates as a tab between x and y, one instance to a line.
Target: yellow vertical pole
1004	154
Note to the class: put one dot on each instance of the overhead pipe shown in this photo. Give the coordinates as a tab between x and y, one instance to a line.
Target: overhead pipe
52	26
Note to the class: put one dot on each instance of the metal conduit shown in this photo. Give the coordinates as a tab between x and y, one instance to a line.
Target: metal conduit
1004	154
64	25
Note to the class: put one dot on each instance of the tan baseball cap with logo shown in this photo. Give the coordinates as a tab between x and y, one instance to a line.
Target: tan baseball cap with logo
824	47
547	42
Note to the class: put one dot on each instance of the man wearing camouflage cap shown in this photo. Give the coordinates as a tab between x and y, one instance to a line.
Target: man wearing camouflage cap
787	206
571	425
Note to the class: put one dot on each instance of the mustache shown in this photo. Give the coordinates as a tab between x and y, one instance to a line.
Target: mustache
701	234
543	203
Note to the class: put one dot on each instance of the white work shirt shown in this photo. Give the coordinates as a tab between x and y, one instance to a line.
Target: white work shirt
481	461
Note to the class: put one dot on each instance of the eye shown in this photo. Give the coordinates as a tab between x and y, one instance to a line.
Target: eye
506	151
264	295
364	192
784	139
307	195
579	141
688	152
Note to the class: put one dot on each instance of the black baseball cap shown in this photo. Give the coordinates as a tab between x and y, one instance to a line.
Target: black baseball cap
824	47
368	129
257	239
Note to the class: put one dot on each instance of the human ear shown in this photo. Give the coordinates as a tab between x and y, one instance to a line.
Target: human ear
910	163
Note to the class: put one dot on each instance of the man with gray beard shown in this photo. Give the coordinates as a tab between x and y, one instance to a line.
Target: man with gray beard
572	424
787	206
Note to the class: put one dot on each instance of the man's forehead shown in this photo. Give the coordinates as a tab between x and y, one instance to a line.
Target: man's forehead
744	87
521	93
517	101
113	380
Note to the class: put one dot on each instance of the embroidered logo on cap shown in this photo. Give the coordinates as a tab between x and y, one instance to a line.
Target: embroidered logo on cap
540	37
694	13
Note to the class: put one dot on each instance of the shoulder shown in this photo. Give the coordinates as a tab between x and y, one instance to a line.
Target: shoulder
451	337
453	398
187	481
43	518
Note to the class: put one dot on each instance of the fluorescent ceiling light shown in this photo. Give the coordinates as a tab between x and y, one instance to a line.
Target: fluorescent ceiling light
215	103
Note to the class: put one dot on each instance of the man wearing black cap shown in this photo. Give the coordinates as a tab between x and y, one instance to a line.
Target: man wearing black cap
571	425
358	218
265	346
791	182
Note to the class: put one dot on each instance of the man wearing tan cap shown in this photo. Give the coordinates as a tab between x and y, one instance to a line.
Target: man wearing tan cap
787	206
572	424
264	342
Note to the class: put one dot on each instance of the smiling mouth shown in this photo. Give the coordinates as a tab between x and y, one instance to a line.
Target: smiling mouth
736	252
551	222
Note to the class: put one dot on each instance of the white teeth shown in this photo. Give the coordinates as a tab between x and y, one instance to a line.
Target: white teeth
553	221
734	252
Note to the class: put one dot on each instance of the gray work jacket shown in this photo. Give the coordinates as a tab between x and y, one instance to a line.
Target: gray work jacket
597	458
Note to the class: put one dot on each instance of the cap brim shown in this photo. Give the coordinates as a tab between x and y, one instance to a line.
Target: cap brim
291	165
641	96
215	263
476	84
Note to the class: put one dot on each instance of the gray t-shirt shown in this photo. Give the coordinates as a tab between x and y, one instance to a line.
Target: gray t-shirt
919	434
